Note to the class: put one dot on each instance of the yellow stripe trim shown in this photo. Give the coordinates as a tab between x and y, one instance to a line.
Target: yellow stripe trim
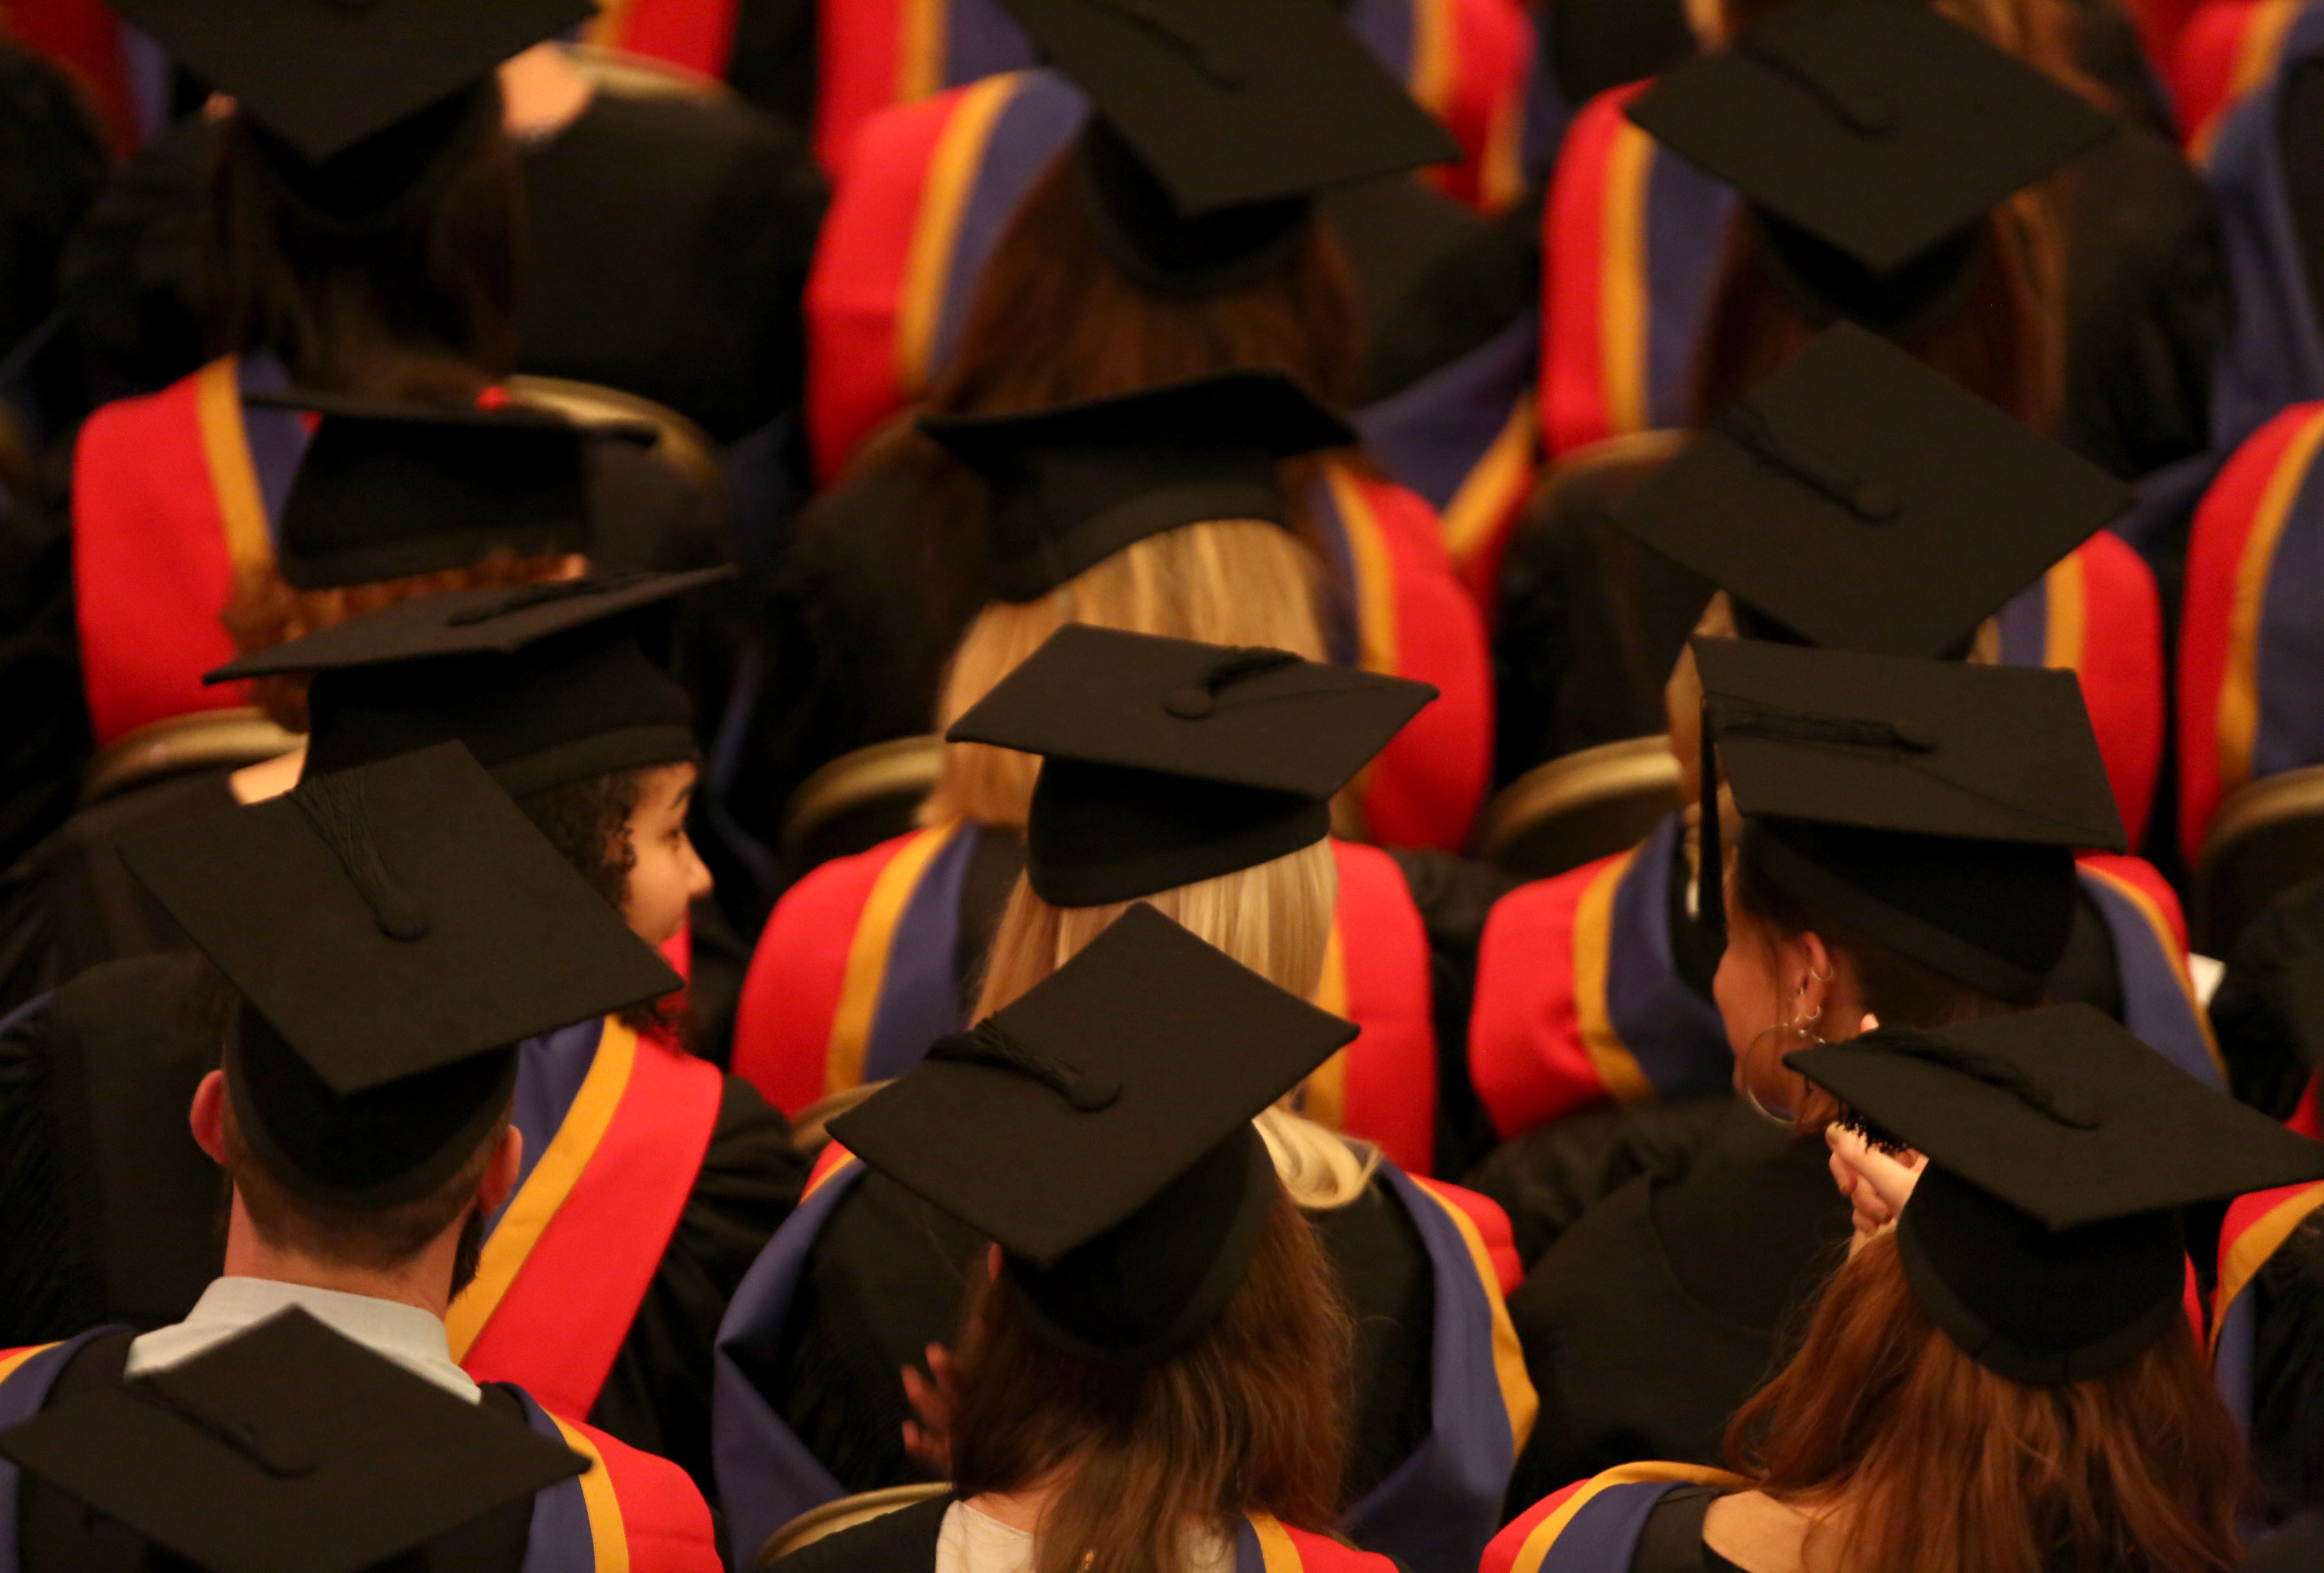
1278	1553
844	1166
2238	712
867	959
544	1191
12	1364
1622	281
1324	1096
2166	939
2254	1245
608	1538
1433	67
2256	56
1375	576
1501	172
1594	924
928	264
234	475
1508	1355
920	27
1544	1534
604	29
2065	636
1489	490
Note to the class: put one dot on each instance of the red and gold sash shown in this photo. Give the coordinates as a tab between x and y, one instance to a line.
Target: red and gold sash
566	1267
1469	61
2256	1227
2226	51
83	38
627	1512
1269	1545
1592	1526
695	36
2230	558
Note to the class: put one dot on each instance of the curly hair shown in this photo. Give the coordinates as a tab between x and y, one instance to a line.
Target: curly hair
588	823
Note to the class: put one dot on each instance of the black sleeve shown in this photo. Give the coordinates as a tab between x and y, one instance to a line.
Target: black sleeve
47	1282
656	1396
1390	1290
1545	1180
132	271
772	61
44	734
2300	132
2269	1011
2288	1371
1454	895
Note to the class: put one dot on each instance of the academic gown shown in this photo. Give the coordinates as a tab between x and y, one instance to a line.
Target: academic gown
810	1404
52	161
657	1522
114	1214
1645	1518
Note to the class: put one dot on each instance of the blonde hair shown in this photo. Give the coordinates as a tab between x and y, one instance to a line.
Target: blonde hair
1276	919
1227	582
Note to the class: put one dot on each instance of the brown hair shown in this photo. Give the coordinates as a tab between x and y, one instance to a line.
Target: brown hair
588	823
1936	1465
374	1241
266	611
1249	1418
420	303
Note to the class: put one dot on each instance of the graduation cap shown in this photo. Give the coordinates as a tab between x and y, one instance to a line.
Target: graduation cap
1858	500
1168	761
357	103
546	684
387	490
2044	1236
1933	806
288	1449
1074	484
1215	123
1869	137
1099	1129
394	931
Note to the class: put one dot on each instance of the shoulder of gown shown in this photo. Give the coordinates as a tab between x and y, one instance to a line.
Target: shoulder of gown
1547	1179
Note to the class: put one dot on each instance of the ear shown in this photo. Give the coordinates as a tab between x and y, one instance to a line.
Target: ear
207	1116
1809	953
498	1182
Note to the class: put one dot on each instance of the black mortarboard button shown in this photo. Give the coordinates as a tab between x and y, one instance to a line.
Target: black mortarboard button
546	684
1167	761
394	931
1099	1129
1860	501
2044	1236
1931	805
1869	137
1074	484
1215	123
386	490
289	1449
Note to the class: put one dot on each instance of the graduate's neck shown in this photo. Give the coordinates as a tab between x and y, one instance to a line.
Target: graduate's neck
542	92
424	1280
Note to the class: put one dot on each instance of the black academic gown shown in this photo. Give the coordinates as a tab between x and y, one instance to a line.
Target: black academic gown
115	1215
2287	1426
56	1533
888	1274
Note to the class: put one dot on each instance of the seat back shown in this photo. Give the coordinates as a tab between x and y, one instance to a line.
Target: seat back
858	800
832	1517
1589	805
679	442
178	745
2264	839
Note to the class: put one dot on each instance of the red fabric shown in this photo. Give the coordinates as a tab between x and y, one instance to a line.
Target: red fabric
1427	784
150	566
855	73
2306	1119
1492	51
2201	65
856	285
1502	1552
1481	569
1323	1554
663	1516
832	1156
556	1331
2121	671
782	1026
2162	26
82	38
697	35
2148	881
1525	1055
1492	1227
2215	550
1391	1094
1573	248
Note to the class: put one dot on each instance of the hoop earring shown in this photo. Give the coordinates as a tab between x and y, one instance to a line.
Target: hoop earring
1801	1031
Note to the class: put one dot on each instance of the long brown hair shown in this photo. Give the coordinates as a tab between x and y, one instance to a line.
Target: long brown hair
1249	1418
1936	1465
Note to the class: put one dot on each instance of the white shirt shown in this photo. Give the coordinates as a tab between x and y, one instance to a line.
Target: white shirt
411	1337
972	1542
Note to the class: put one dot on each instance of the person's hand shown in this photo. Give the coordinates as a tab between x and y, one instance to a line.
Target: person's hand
930	1442
1877	1184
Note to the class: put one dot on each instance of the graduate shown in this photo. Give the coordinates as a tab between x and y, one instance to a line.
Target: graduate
1905	852
604	1281
1161	511
380	939
1945	241
1196	779
1176	235
2003	1374
1154	1353
1855	501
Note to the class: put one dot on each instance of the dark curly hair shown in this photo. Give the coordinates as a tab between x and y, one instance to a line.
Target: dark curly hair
588	823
